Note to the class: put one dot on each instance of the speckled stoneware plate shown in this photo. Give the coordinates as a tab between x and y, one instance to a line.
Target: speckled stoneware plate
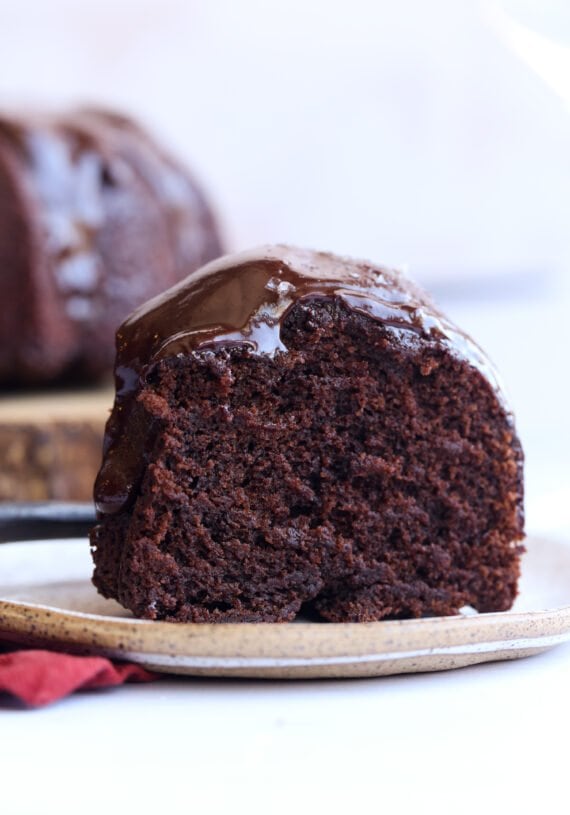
46	598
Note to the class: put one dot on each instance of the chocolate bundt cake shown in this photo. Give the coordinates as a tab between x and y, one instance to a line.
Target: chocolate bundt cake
94	219
298	430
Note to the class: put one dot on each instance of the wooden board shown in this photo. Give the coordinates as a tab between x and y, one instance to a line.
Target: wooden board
50	444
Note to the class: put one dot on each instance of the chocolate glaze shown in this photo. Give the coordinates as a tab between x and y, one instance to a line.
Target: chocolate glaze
241	301
80	182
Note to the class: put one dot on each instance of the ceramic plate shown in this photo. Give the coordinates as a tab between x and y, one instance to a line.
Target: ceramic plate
46	598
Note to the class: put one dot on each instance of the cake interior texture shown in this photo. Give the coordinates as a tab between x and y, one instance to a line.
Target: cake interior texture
367	473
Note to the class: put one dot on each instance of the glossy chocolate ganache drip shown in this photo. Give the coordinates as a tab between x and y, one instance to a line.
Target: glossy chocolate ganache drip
242	301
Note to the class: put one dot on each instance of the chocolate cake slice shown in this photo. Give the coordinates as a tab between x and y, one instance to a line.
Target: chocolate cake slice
294	430
95	218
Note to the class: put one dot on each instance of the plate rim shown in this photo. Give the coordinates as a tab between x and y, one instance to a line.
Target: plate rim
288	650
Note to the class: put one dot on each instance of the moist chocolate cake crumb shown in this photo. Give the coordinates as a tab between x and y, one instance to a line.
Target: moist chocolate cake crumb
296	430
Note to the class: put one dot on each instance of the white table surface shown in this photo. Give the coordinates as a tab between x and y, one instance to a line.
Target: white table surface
484	739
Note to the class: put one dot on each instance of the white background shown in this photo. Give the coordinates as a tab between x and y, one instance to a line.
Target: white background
434	134
410	132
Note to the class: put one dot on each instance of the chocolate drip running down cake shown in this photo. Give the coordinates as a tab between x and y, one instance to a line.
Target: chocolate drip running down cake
94	219
294	430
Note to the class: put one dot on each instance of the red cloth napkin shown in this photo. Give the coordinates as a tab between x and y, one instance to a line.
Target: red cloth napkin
38	678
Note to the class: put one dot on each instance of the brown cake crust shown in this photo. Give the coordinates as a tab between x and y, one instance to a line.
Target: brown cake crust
295	430
94	219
